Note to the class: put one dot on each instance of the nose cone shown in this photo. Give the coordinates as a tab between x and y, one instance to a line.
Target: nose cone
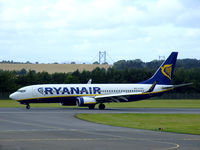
13	96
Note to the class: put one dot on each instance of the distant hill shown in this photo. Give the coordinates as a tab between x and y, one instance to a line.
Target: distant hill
119	65
52	68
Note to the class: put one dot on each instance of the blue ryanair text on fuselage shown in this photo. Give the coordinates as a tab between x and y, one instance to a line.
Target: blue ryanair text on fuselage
69	90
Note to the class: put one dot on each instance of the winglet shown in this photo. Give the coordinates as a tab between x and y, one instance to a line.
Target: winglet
152	87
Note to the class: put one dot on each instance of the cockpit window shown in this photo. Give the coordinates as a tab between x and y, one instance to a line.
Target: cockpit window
21	91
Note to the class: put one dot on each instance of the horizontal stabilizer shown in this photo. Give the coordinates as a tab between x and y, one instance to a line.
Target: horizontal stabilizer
176	86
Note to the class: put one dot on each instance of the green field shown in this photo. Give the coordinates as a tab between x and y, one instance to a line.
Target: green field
157	104
12	103
179	123
138	104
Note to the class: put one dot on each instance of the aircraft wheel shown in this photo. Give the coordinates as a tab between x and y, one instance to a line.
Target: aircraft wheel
28	106
91	106
101	106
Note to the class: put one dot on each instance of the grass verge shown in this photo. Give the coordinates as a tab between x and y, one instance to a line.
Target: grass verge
166	103
12	103
138	104
179	123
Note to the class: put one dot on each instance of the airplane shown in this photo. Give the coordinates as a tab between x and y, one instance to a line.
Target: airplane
91	94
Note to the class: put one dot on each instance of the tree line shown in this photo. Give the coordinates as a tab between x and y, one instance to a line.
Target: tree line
10	81
137	63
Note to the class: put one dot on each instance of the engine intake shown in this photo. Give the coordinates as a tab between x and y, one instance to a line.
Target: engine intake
85	101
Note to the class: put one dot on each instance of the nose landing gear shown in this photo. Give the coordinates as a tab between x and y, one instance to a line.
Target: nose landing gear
28	106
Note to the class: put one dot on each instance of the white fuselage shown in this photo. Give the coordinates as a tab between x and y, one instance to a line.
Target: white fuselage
92	90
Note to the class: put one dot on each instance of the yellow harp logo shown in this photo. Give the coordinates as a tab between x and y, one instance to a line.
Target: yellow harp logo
167	70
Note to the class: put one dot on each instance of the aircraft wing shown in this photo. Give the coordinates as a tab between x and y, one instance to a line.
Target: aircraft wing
121	97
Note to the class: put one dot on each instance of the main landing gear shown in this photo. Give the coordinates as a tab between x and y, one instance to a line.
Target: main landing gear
91	106
28	106
102	106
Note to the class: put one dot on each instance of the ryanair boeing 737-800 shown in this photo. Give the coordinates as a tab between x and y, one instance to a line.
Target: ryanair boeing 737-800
91	94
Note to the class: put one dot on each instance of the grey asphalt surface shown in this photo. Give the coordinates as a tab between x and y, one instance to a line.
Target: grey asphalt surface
58	129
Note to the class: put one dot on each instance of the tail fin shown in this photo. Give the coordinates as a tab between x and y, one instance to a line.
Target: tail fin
165	72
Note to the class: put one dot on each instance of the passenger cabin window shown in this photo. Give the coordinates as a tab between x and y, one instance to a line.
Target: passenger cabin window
21	91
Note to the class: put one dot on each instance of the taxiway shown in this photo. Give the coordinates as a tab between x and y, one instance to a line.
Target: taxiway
58	128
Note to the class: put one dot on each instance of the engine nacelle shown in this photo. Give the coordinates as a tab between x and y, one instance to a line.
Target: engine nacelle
85	101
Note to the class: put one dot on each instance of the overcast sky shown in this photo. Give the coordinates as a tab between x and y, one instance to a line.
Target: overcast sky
49	31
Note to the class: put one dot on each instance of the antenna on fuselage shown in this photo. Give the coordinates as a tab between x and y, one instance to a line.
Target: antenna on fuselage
89	81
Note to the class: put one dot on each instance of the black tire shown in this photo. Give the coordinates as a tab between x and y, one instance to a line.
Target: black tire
102	106
91	106
28	106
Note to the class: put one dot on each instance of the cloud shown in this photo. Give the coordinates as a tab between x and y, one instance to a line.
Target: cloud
127	29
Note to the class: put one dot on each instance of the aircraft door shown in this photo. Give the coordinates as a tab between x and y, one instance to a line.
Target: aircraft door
37	91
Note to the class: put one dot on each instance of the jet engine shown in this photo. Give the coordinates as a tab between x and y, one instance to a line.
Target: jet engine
85	101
